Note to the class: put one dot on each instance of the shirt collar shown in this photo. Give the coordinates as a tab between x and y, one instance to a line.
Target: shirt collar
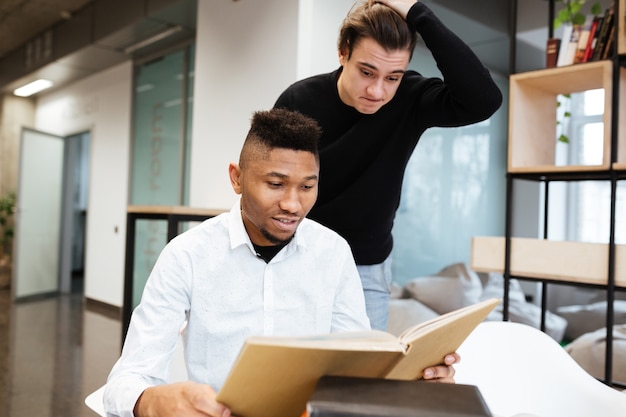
239	236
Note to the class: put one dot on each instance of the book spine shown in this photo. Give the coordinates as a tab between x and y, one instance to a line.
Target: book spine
567	34
608	47
570	53
602	36
593	40
583	39
592	33
552	52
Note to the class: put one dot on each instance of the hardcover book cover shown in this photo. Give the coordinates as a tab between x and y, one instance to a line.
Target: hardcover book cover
275	376
368	397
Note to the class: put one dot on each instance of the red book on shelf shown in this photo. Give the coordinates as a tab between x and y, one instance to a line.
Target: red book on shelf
583	39
592	39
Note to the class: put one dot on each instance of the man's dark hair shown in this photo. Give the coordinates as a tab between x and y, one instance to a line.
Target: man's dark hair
280	128
379	22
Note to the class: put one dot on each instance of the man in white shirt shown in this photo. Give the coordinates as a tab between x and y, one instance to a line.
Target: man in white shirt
243	273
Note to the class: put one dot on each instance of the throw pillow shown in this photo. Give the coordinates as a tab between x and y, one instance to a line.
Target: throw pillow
521	311
589	350
407	312
583	319
451	288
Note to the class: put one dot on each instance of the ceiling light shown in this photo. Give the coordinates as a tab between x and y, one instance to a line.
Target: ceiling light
32	88
152	39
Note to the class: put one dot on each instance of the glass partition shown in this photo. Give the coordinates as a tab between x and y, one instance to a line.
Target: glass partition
160	150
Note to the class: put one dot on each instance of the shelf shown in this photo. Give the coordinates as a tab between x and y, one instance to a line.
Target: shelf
567	261
533	108
621	35
175	210
621	116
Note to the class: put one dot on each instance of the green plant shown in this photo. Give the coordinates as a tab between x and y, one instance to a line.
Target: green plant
563	114
572	12
7	211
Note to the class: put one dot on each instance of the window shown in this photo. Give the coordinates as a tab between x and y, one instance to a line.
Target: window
588	202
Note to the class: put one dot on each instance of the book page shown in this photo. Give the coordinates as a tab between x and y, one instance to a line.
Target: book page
430	342
373	340
412	333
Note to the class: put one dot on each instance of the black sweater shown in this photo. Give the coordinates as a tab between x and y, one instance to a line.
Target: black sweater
363	157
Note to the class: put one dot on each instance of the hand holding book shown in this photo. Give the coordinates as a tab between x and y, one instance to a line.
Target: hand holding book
274	376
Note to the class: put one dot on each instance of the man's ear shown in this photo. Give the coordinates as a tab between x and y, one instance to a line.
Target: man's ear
343	57
234	173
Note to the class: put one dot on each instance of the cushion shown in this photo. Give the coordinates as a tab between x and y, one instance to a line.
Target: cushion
583	319
521	311
451	288
589	351
396	291
530	314
494	288
407	312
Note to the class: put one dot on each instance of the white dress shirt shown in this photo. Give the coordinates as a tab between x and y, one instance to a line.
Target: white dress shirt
211	277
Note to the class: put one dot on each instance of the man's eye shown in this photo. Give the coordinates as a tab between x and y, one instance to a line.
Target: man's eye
393	79
308	187
275	184
366	73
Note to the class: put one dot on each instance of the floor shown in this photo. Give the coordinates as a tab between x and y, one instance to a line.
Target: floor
54	351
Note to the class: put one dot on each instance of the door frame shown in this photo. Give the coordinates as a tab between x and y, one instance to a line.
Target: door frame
63	246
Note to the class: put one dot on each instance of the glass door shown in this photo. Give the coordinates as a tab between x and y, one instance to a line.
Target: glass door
38	214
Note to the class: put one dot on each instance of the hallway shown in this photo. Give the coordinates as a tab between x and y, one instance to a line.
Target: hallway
53	352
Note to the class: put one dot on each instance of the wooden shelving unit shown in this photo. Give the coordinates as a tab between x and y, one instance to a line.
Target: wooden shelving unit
533	114
621	28
532	156
563	261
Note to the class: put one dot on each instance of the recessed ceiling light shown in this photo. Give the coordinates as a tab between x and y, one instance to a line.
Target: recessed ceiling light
32	88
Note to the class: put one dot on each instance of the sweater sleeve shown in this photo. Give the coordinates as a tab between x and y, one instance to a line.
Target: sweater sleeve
468	94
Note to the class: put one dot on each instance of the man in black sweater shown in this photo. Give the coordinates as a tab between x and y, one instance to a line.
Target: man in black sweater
372	111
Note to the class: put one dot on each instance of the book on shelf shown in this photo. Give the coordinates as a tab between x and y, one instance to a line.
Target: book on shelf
593	38
552	52
583	39
610	42
569	45
564	44
275	376
605	29
369	397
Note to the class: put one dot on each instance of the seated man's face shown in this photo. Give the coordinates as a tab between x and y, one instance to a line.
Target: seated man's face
277	192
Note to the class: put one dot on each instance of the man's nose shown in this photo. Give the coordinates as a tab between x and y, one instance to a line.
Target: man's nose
290	202
375	88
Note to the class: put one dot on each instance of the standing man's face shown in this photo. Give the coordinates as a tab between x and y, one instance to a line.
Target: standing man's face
371	76
276	193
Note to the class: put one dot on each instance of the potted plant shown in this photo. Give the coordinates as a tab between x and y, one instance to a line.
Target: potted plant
7	210
571	12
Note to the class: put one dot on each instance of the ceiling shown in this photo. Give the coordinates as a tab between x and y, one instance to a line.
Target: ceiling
22	21
65	40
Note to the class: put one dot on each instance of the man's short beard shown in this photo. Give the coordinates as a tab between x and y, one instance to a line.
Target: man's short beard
273	239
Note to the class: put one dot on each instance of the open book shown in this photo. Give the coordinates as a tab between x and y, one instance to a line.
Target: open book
274	376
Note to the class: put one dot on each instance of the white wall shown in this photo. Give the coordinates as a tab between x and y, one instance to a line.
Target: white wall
100	104
244	58
247	53
318	32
